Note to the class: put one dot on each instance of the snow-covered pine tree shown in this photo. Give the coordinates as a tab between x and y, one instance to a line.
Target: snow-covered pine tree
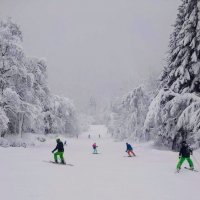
168	118
182	73
128	115
26	104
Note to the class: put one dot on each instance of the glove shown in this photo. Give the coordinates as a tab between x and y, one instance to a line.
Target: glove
179	157
191	151
52	151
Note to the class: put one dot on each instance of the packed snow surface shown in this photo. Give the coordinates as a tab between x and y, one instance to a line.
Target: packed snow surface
109	175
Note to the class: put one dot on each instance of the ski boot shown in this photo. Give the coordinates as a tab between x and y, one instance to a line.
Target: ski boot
178	170
63	162
192	168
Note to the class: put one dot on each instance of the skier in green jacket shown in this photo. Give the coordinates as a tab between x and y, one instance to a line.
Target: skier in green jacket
184	154
59	152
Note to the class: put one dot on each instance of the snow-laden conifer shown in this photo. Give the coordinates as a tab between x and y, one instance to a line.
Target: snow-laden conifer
26	103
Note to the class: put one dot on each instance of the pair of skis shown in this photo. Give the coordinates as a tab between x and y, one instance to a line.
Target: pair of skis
58	163
194	170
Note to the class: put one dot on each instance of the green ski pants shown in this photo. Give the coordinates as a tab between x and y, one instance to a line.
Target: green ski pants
95	151
182	159
58	153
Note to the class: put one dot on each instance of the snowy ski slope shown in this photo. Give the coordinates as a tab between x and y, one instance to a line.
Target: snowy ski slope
110	175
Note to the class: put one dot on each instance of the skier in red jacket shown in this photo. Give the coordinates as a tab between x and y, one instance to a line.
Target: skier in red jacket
94	146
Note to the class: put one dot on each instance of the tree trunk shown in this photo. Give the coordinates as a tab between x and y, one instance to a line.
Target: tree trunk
21	120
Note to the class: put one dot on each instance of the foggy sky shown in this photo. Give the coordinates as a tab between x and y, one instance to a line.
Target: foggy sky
95	47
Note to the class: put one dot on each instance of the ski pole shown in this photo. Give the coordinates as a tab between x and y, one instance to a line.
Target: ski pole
196	160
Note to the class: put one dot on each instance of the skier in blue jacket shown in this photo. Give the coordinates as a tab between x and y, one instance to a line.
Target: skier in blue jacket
129	150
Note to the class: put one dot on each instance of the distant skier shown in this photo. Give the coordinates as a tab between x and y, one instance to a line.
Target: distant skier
59	152
89	136
94	146
129	150
99	136
185	153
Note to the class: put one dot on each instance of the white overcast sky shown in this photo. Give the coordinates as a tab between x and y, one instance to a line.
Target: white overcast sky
95	47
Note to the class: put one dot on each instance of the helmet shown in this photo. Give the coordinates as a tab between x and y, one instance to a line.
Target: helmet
184	142
58	139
